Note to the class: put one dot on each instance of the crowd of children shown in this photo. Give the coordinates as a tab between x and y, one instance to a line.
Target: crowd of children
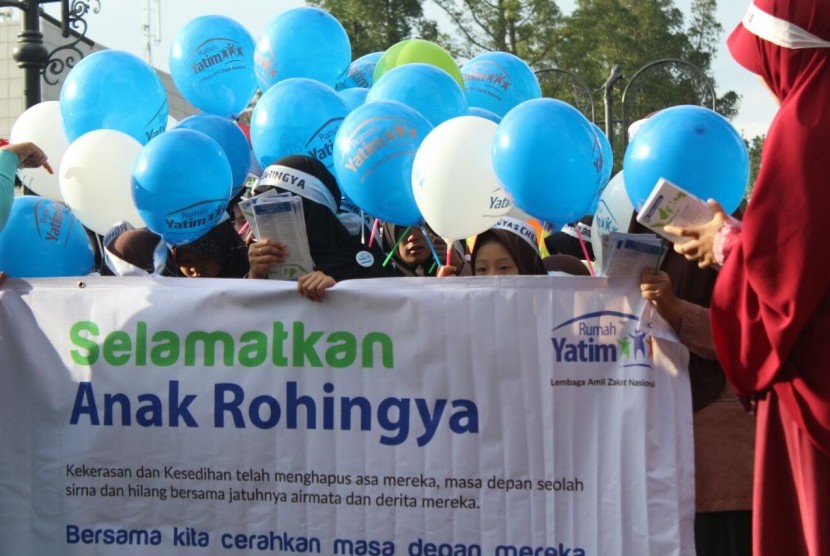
761	321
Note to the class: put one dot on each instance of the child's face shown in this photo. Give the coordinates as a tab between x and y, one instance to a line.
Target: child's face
492	259
194	266
238	218
413	249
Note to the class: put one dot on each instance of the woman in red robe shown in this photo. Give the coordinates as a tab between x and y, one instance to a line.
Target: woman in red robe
771	304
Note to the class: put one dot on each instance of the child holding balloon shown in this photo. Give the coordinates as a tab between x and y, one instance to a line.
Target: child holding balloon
771	302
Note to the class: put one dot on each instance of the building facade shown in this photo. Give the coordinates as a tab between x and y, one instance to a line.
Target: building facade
12	102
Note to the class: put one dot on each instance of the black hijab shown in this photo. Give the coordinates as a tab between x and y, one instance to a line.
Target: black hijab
334	250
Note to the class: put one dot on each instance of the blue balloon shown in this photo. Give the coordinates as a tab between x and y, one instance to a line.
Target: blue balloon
43	239
296	116
607	165
232	140
353	97
373	156
482	113
428	89
360	73
692	147
303	42
116	90
547	156
182	185
212	65
498	81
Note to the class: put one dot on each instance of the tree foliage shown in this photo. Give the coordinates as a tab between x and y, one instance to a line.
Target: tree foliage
636	33
663	58
375	25
755	147
581	48
597	36
526	28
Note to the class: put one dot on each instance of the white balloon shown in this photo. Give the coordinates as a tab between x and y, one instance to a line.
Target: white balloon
42	125
96	179
455	186
613	214
171	122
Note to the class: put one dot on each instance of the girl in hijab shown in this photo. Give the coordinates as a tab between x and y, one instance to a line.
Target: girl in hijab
507	249
220	253
770	312
337	253
411	255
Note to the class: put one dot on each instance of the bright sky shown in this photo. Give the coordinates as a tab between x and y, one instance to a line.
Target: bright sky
121	28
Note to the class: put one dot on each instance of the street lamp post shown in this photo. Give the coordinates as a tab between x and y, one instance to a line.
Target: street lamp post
31	55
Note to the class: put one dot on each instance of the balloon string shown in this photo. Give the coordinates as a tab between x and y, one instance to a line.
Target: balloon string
431	246
585	250
374	232
363	229
395	248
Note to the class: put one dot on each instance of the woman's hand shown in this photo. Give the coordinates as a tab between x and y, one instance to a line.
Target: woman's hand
701	246
313	285
265	254
656	288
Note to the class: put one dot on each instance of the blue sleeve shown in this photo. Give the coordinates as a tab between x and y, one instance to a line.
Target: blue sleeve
8	166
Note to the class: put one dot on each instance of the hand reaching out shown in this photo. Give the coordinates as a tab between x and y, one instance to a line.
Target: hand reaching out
30	155
701	246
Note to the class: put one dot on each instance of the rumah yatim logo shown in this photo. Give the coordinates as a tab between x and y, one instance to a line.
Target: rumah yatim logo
601	337
320	144
196	216
265	64
157	124
217	55
360	74
377	140
487	77
53	221
605	220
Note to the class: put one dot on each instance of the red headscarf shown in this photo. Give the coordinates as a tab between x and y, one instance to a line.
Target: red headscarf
771	304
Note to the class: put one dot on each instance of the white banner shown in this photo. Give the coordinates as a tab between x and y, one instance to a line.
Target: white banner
500	416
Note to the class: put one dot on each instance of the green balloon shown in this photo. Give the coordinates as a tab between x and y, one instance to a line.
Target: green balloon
417	50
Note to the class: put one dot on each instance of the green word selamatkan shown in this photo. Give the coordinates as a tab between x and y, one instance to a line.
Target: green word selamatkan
284	345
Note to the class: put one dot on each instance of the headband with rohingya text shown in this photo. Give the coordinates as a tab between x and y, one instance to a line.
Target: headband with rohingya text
521	229
780	31
299	183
